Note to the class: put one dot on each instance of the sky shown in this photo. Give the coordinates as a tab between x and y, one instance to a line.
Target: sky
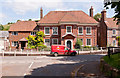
13	10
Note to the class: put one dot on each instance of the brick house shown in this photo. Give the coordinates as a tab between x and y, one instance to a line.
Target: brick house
18	33
108	30
64	27
59	27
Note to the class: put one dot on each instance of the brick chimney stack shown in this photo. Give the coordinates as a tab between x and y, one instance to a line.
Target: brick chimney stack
41	13
91	11
103	15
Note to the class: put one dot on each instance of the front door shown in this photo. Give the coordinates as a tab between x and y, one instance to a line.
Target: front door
69	44
22	44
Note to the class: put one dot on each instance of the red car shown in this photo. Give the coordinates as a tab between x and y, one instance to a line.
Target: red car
61	50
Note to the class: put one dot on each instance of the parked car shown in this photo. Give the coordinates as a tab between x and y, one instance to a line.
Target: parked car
62	50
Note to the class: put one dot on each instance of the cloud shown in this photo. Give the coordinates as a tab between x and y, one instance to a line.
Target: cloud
23	6
2	17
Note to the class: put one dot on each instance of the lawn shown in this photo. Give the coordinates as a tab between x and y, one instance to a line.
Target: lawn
114	60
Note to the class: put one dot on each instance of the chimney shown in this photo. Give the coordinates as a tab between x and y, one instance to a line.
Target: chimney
103	15
91	11
41	13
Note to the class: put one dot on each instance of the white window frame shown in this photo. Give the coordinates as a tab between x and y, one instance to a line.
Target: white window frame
114	30
90	40
57	30
32	33
45	42
90	31
53	40
13	43
78	31
13	33
49	30
68	32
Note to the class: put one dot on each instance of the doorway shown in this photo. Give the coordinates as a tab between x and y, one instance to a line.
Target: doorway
69	43
23	44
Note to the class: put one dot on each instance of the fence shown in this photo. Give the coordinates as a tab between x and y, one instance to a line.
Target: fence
113	50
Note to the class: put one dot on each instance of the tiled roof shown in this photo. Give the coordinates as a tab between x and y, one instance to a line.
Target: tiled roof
4	34
67	16
110	23
23	26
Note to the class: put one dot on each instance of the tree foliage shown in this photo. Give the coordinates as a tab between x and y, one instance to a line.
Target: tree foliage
1	27
36	41
30	20
97	16
116	6
78	43
118	38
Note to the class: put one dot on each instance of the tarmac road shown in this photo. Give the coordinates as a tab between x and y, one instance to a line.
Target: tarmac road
44	65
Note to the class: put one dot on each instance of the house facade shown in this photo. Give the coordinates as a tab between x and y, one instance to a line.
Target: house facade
65	27
18	33
59	27
108	30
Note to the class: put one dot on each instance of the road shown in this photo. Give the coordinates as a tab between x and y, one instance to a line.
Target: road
44	65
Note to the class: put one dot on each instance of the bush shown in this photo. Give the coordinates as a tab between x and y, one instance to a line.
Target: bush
47	49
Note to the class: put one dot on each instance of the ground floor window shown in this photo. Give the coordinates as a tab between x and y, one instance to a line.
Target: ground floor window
81	41
88	42
47	42
114	42
54	41
14	43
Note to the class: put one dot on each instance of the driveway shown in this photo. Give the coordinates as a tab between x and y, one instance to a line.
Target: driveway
44	65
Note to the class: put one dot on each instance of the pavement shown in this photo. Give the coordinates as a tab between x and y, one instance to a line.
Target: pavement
23	66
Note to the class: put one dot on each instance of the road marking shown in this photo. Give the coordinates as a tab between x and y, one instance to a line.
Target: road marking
31	65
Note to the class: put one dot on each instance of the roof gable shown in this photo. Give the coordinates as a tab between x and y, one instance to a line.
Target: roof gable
67	16
23	26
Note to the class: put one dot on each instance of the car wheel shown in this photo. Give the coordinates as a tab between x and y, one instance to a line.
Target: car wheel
55	54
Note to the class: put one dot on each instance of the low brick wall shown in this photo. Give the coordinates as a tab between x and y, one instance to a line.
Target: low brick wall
108	70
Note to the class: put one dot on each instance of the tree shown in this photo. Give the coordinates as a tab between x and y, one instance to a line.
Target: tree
118	38
36	41
97	16
30	20
116	6
18	20
1	27
78	43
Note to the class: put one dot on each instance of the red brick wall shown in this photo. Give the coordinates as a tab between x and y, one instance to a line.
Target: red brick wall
21	34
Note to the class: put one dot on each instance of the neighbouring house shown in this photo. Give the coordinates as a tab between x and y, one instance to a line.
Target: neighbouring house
108	30
18	33
59	27
4	42
64	27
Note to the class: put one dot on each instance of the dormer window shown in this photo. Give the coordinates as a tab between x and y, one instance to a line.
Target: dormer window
33	33
14	33
68	29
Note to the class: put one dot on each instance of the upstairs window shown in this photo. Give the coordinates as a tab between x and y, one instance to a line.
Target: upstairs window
114	31
68	29
47	42
80	30
14	43
14	33
33	33
54	41
47	30
55	30
88	30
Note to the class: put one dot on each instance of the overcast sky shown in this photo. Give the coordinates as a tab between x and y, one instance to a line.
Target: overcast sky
13	10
